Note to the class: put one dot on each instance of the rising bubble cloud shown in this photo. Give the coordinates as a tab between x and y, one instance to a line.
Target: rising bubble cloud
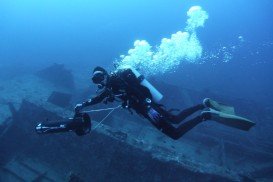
182	46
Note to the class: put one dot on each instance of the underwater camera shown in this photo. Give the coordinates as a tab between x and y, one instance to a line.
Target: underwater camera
80	124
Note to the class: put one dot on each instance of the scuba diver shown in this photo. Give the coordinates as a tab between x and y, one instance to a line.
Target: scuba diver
138	94
131	88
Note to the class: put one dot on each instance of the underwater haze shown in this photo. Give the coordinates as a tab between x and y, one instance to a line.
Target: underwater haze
211	47
236	39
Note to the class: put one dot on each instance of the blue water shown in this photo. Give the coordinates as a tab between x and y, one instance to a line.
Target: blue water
82	34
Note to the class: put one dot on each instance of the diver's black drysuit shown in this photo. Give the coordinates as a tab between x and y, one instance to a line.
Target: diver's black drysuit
123	85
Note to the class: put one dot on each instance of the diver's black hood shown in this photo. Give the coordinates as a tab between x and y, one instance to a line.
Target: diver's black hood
99	75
